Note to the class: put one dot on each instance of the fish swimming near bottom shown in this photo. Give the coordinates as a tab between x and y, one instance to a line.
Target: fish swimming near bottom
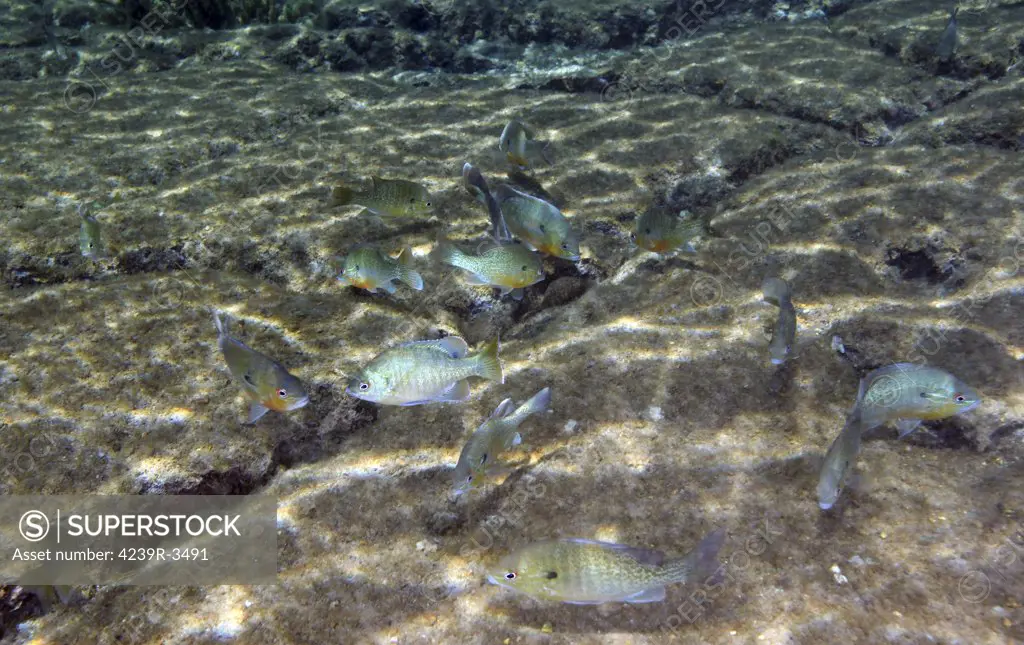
587	572
518	143
948	42
841	455
777	292
425	371
909	393
537	223
660	231
265	382
476	185
903	392
398	197
496	435
367	268
509	267
90	235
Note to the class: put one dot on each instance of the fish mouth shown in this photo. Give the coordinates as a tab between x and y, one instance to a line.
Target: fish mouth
303	402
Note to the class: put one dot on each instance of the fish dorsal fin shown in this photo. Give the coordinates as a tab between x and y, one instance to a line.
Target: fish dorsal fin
649	557
454	346
889	370
405	257
504	409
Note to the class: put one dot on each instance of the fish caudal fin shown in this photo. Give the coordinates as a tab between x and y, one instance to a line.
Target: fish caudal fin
342	195
447	253
539	402
488	364
776	291
406	273
701	563
222	329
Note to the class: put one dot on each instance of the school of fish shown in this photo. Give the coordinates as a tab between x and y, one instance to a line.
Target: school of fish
523	229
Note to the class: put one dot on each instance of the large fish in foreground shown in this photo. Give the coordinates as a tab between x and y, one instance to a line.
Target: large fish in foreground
777	292
903	392
496	435
398	197
266	383
586	572
537	223
425	371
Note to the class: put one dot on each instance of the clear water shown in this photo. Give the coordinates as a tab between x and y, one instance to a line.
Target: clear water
824	143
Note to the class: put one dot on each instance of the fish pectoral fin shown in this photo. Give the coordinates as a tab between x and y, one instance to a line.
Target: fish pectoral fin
516	439
256	412
906	426
477	280
655	594
389	287
459	391
517	294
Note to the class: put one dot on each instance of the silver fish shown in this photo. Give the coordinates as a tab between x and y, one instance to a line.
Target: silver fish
777	292
496	435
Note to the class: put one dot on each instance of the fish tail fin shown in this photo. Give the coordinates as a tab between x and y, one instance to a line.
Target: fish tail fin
691	228
489	366
539	402
776	291
406	273
699	564
447	253
222	329
342	195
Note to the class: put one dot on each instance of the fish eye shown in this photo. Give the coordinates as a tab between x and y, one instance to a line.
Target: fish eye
525	267
428	203
647	232
960	398
565	246
483	458
364	386
469	479
551	575
357	267
511	575
282	393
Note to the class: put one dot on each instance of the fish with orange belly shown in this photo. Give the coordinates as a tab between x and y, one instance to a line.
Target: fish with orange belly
265	382
367	268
